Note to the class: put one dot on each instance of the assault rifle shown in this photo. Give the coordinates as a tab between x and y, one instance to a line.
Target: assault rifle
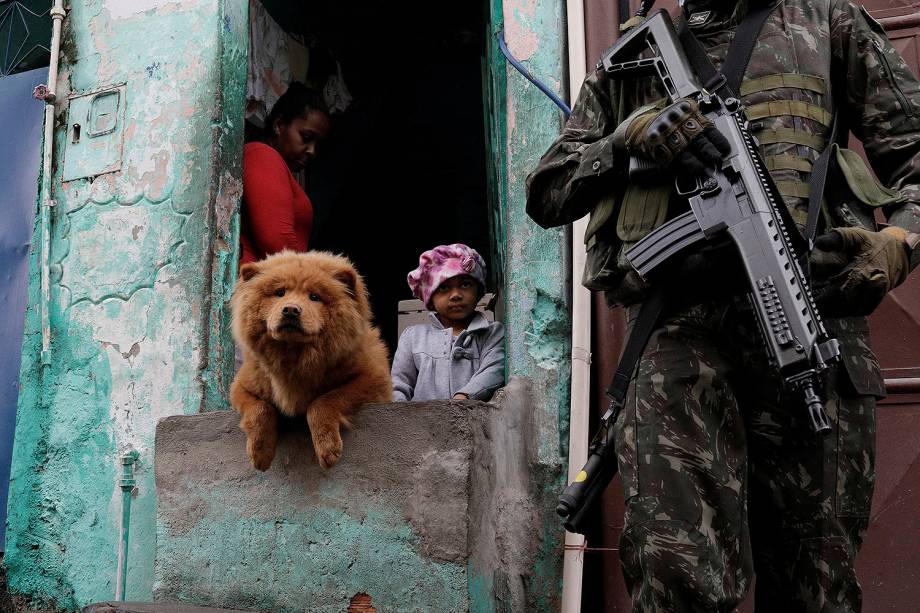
737	199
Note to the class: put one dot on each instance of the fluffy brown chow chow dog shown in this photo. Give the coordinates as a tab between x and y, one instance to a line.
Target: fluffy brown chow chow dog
309	349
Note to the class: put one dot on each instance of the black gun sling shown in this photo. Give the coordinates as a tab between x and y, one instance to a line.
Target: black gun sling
728	80
649	311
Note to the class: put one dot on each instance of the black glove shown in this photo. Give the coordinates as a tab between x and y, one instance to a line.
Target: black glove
860	267
679	138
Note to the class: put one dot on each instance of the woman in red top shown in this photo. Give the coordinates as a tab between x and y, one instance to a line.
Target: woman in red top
276	213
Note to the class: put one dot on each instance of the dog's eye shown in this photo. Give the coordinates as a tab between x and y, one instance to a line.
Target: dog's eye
279	292
315	298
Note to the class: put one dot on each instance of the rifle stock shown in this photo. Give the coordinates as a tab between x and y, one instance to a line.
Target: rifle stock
579	497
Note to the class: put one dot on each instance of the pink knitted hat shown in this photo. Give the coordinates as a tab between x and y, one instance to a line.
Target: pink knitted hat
437	265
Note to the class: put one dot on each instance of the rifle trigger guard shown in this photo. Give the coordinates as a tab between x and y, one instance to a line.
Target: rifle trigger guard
703	186
697	188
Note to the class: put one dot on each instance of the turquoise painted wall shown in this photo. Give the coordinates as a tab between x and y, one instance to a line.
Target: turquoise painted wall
537	264
134	255
536	260
142	261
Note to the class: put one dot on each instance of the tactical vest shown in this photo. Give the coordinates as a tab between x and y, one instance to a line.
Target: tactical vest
787	93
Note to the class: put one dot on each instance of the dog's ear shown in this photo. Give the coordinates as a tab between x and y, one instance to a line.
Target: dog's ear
248	271
349	278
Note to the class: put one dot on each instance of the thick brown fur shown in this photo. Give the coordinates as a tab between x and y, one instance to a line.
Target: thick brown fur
320	359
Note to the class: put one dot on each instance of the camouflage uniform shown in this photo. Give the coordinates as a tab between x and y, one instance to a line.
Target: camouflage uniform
723	477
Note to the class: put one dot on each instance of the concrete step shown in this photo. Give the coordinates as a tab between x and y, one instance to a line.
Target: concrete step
437	506
151	607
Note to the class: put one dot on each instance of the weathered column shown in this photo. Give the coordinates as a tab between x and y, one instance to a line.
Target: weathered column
142	247
536	261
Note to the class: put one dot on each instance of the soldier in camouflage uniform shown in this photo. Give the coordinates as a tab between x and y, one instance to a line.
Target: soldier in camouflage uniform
723	477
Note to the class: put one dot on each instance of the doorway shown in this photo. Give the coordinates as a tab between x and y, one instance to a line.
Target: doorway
406	164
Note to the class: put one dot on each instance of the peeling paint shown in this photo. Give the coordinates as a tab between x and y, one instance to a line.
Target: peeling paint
123	9
227	146
548	328
230	194
536	266
143	262
536	269
520	17
131	308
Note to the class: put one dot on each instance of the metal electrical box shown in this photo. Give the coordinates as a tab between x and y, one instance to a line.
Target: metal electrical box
95	133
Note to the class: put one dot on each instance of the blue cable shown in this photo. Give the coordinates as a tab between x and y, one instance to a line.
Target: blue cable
520	68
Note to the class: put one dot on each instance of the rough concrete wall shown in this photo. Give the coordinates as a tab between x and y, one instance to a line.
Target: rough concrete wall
425	495
537	261
514	561
130	303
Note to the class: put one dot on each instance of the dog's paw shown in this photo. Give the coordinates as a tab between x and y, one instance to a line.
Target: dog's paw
261	451
327	443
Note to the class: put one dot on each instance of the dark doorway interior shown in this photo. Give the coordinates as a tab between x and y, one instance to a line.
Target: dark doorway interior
405	167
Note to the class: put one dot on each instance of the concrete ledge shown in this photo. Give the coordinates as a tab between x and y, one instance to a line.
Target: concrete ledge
150	607
431	508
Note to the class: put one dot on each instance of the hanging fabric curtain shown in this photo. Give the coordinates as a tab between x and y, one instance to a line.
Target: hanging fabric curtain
275	59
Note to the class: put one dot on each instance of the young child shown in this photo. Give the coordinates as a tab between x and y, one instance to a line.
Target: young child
459	354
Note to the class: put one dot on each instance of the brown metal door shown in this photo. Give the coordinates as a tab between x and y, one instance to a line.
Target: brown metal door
604	589
889	563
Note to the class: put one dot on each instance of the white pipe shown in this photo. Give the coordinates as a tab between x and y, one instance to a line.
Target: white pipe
573	560
57	16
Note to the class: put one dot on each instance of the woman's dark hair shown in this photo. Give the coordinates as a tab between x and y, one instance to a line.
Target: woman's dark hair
296	102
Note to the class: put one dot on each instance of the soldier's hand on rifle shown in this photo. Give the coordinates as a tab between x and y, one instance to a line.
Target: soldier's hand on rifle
679	138
868	266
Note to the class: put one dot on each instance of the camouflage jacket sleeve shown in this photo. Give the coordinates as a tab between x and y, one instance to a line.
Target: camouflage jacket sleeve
566	182
882	105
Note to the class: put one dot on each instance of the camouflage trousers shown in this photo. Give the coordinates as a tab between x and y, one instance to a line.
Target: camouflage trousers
724	478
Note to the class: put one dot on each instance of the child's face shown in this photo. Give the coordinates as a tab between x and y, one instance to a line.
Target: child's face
455	299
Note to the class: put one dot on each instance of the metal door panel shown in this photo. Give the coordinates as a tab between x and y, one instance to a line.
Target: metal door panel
20	151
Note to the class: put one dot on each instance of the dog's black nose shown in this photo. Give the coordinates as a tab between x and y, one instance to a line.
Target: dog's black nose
290	310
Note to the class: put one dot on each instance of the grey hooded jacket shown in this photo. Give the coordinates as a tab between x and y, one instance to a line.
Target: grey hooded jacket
431	365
